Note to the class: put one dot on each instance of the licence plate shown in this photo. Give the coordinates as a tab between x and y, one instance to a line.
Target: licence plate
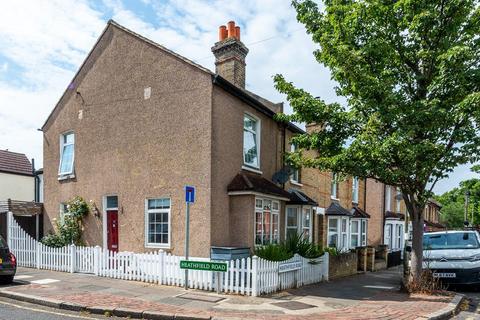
444	275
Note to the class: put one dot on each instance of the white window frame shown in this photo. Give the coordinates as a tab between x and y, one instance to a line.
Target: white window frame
388	198
295	176
398	200
257	134
357	234
147	211
334	186
310	219
273	212
62	212
62	146
364	232
298	226
355	187
332	233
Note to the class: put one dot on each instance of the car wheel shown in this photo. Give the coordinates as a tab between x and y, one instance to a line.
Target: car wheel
6	279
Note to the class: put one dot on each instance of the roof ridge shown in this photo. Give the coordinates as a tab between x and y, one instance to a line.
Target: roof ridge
14	152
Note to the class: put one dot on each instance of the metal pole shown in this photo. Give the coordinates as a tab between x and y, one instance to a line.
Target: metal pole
187	241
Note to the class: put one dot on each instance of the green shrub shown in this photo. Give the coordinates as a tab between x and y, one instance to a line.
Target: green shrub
273	252
333	251
295	244
69	231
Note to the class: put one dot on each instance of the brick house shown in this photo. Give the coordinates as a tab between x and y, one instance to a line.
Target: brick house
139	122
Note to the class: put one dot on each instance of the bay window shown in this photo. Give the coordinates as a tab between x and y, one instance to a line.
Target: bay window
363	231
251	134
266	221
332	240
299	221
355	233
306	223
292	221
394	235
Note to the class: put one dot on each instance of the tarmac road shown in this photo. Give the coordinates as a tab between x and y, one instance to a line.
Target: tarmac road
17	310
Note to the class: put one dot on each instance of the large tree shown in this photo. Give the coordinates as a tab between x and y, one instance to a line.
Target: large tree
409	70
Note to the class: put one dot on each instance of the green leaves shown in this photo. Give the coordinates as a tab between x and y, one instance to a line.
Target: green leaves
409	70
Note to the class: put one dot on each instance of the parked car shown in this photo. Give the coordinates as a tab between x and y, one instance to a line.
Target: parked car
8	263
453	256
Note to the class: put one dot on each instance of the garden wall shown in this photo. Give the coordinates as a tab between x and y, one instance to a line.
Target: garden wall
342	265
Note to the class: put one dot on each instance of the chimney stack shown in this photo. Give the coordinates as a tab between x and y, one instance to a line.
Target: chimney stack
230	55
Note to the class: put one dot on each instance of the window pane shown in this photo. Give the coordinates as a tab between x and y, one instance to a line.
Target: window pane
67	159
292	217
306	218
275	230
159	203
249	124
112	202
250	148
354	241
354	227
258	228
332	225
259	203
333	240
275	206
266	227
68	138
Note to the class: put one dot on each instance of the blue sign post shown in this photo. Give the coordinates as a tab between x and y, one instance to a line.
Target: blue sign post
189	198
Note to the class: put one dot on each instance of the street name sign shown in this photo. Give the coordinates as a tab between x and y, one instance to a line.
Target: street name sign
289	266
204	265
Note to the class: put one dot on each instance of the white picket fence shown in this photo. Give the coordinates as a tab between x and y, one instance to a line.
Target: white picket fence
249	276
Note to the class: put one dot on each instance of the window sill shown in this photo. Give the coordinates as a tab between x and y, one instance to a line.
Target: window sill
296	183
157	246
333	198
244	167
65	177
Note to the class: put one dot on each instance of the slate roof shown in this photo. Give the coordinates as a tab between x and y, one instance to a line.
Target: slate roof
359	213
335	209
394	215
253	182
14	162
298	197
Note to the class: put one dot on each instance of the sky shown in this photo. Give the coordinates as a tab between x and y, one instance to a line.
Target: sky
43	43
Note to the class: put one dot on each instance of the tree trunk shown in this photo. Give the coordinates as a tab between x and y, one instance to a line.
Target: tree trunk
417	245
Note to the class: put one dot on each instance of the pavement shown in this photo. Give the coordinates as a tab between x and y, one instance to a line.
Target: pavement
471	306
366	296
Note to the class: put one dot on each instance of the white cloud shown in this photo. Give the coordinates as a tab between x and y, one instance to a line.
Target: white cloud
45	41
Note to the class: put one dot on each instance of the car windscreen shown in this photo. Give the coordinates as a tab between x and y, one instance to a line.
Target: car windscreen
3	243
458	240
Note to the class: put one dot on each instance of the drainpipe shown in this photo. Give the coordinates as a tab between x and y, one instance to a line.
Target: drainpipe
365	196
383	212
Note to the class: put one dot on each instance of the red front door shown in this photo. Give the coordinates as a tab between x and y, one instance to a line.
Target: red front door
112	230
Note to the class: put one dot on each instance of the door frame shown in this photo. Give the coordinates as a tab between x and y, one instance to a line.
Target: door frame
104	218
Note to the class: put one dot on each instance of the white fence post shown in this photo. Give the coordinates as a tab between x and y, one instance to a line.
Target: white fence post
96	260
9	228
38	255
254	276
72	258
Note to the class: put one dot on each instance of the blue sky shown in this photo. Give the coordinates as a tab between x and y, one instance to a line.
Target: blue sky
43	42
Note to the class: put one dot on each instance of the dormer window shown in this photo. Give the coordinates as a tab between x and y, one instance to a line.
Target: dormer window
67	153
251	134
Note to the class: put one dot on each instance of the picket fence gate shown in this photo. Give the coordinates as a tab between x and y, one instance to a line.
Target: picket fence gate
248	276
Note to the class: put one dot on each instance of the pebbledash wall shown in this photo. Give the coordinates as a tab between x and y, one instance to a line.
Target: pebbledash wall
133	147
189	132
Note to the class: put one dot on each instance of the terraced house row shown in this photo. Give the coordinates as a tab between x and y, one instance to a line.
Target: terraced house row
139	122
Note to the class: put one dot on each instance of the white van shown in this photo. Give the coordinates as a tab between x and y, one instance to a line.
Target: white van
453	256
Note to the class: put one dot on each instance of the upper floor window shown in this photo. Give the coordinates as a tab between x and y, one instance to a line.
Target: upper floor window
295	177
251	134
334	186
355	190
67	151
388	198
398	199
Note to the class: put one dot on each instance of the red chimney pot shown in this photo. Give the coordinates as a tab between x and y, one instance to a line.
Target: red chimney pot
237	33
231	29
222	33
